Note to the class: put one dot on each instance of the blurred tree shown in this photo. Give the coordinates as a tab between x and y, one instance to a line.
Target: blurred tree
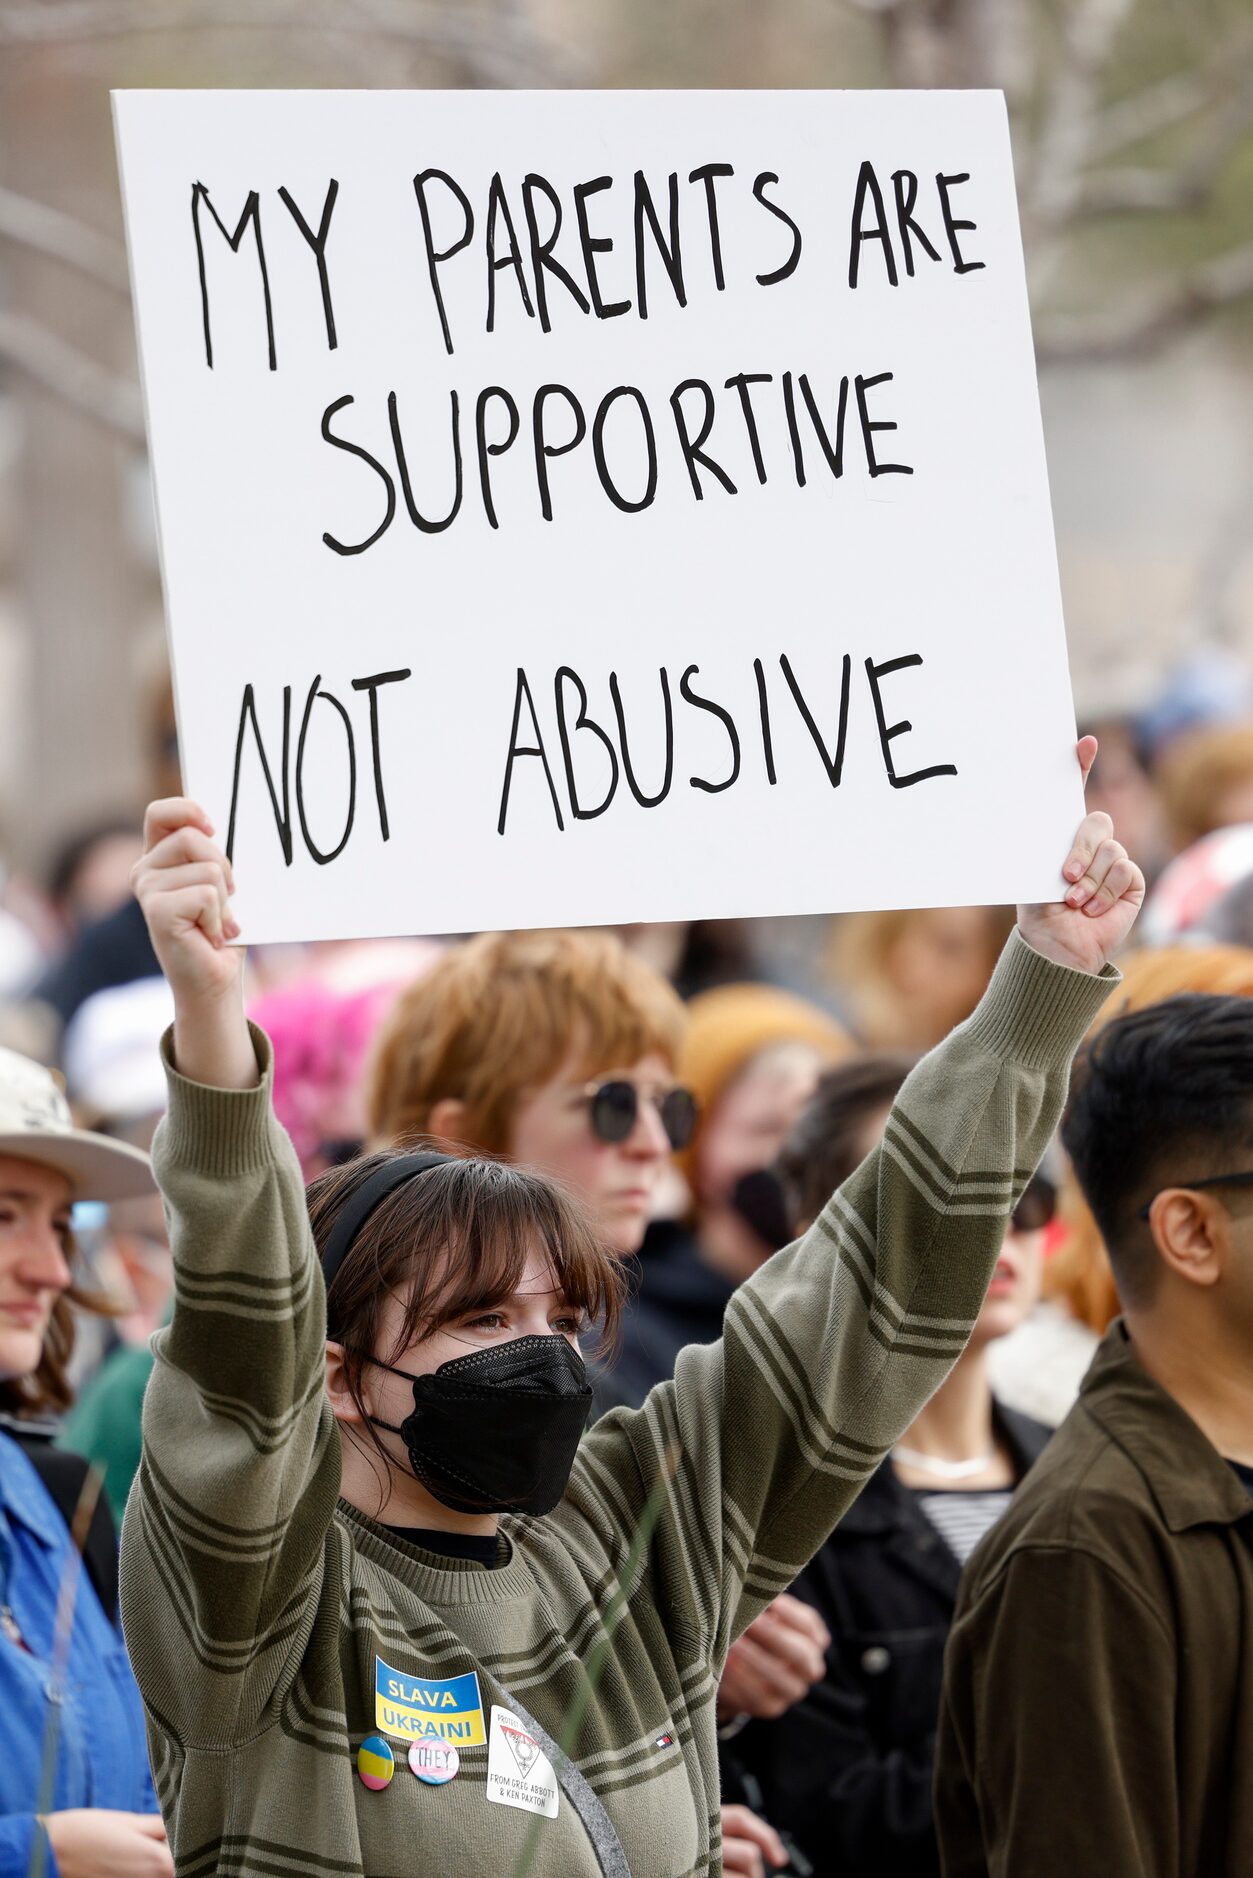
366	42
1133	124
1125	112
82	737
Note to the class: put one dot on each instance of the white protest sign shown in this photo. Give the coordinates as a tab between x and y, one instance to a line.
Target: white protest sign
600	507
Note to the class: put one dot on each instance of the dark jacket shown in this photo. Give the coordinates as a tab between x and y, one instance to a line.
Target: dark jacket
64	1476
1098	1704
677	1299
115	950
847	1772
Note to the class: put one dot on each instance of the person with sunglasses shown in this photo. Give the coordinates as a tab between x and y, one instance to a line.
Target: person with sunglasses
846	1774
1098	1692
556	1050
388	1605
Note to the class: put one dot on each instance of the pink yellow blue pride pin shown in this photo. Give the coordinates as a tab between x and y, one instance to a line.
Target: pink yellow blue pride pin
434	1763
375	1763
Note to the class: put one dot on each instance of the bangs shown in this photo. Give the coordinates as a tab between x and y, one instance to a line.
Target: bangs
616	1024
586	985
615	1048
452	1241
469	1228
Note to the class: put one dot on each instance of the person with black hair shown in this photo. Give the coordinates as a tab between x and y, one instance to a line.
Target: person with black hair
89	876
847	1772
1098	1706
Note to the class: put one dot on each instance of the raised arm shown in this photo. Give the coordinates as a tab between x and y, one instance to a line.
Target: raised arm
832	1347
184	884
224	1535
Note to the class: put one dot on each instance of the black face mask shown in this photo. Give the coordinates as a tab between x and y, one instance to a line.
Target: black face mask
761	1203
496	1431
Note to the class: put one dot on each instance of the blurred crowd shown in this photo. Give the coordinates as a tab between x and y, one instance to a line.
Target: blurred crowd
774	1072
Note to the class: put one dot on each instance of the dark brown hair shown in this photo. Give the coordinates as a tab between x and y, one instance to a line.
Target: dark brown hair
827	1141
449	1242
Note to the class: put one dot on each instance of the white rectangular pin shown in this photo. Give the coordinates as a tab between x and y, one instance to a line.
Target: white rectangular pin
519	1773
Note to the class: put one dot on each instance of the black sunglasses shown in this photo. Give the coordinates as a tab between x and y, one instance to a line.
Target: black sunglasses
1190	1186
1037	1207
614	1108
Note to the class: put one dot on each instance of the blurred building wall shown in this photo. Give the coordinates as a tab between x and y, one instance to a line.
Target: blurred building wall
1151	470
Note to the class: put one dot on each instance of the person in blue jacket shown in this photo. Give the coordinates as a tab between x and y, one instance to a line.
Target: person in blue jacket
76	1794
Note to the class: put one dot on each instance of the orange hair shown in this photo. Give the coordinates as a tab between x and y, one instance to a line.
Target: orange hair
1194	775
1080	1276
861	964
499	1015
731	1025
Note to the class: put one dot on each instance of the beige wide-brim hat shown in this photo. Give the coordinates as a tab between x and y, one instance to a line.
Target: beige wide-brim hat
36	1125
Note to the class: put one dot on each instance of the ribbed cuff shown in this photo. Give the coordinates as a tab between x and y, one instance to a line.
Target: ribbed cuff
1035	1012
218	1131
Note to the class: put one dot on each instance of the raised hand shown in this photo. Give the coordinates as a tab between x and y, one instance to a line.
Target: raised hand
183	881
1106	893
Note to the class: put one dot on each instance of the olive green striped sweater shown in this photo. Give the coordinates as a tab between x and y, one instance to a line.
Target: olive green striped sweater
263	1616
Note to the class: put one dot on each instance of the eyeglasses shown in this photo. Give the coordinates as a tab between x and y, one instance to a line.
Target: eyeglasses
614	1108
1191	1186
1037	1206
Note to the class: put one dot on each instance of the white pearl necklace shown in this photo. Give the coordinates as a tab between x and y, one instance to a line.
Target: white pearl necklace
945	1470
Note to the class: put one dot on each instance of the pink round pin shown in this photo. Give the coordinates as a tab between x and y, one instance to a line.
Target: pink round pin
434	1762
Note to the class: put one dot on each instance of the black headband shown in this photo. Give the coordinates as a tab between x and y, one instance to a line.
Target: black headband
369	1194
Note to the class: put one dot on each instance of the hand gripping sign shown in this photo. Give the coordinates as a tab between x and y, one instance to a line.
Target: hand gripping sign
589	507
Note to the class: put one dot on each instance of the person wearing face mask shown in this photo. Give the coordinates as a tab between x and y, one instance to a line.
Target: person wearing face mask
76	1796
558	1050
327	1693
848	1771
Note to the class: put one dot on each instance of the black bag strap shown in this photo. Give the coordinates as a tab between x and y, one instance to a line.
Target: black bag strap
600	1828
63	1475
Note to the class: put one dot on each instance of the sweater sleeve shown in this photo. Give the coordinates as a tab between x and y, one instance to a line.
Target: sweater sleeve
833	1346
224	1537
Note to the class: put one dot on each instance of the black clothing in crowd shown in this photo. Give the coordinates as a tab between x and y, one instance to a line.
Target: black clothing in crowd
677	1299
115	951
848	1771
66	1480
